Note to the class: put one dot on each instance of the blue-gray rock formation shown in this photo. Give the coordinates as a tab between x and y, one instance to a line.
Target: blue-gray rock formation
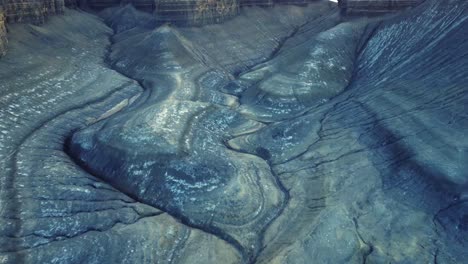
288	134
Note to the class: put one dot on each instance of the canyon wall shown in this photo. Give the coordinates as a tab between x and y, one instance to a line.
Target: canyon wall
3	39
200	12
192	12
28	11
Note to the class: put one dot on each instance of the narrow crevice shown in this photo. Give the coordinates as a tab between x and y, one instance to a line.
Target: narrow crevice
436	254
370	247
285	202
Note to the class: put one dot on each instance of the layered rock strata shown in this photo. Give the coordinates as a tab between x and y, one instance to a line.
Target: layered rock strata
3	32
202	12
34	12
196	12
192	12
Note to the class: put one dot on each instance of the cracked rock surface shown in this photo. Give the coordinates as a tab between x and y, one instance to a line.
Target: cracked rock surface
283	135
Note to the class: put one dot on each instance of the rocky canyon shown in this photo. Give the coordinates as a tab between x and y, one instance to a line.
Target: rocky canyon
233	131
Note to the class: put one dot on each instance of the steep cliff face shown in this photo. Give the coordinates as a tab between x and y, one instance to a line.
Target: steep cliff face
28	11
202	12
33	11
24	11
3	39
192	12
196	12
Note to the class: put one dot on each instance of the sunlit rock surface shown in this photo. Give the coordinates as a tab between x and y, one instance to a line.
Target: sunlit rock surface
283	135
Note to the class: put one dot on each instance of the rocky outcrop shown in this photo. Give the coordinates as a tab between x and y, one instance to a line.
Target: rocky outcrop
3	32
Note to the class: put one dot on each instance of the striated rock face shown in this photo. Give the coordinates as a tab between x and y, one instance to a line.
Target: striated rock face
192	12
203	12
179	12
195	12
3	33
34	12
